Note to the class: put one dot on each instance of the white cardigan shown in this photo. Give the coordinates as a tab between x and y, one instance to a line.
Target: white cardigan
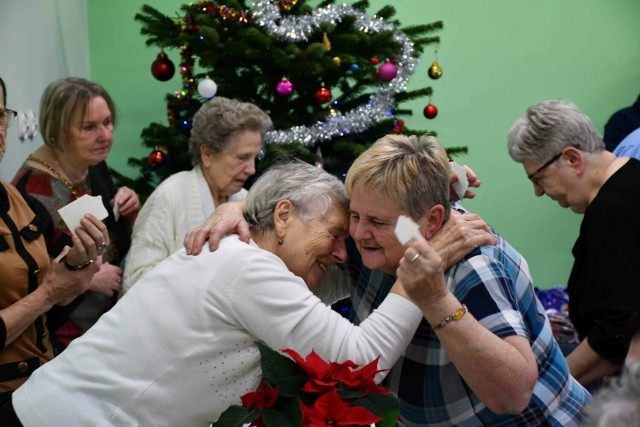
178	348
180	203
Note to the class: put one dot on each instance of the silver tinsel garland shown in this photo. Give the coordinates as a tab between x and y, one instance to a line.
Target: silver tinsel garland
267	15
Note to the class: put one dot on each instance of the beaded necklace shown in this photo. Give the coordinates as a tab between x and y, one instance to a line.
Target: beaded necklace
56	174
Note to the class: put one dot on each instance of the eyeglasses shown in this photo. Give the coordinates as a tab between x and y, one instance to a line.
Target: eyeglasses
546	165
7	116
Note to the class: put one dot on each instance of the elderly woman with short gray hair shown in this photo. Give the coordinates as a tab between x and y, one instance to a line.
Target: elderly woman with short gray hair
179	347
225	140
565	158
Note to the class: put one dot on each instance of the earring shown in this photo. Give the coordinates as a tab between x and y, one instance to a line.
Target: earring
281	239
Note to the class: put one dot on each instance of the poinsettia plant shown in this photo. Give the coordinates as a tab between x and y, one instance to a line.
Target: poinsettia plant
297	392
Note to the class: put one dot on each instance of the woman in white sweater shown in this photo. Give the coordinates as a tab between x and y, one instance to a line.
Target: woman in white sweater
179	347
225	140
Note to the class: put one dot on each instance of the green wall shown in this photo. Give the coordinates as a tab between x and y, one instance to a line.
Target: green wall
498	57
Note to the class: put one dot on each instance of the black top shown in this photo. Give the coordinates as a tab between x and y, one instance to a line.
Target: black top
604	286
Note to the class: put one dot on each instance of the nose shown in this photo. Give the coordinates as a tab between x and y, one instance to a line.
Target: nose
340	251
359	230
250	168
538	190
106	131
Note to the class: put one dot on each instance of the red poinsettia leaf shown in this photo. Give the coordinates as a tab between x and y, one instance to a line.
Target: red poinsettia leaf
313	365
264	397
331	410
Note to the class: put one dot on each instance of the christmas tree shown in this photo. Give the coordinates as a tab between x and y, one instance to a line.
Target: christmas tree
332	78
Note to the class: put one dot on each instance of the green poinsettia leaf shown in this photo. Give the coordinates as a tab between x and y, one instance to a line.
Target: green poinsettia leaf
236	416
385	406
279	370
288	416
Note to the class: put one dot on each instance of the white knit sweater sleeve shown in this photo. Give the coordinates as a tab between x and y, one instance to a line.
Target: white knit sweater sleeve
277	307
161	225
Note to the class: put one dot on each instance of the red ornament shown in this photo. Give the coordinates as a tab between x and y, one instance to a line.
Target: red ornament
323	95
162	68
430	111
398	126
157	158
387	71
374	60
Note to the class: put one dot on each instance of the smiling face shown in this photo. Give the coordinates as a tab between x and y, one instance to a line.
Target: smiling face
227	172
310	247
372	226
90	135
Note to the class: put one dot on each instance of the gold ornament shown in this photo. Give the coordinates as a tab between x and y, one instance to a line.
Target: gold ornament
326	42
336	60
435	72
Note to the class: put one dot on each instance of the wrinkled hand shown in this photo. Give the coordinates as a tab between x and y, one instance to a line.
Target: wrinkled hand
89	241
473	182
61	285
422	276
461	234
128	201
226	219
108	280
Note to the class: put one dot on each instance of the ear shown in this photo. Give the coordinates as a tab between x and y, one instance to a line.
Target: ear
282	216
432	221
574	159
205	155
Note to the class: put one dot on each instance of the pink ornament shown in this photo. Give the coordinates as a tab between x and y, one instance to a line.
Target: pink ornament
387	71
285	87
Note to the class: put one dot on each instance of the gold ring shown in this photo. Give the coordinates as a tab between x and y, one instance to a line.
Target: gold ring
415	257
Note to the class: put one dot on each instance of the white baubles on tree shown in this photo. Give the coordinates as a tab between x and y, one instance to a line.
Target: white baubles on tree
207	88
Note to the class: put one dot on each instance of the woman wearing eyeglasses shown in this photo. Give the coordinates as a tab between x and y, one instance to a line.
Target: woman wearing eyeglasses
77	118
34	292
565	158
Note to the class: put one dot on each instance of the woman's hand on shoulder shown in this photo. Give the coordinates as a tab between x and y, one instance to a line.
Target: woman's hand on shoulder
461	234
227	218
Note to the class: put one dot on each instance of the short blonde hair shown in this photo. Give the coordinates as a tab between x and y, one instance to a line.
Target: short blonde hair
413	171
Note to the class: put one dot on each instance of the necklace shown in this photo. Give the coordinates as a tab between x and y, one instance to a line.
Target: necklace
56	174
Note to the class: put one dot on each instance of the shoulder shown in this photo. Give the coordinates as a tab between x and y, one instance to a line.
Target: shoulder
240	195
175	185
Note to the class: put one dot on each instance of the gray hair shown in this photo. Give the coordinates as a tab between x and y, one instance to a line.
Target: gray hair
219	119
413	171
618	402
311	190
547	128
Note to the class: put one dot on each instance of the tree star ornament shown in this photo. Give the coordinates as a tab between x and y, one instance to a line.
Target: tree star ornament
297	28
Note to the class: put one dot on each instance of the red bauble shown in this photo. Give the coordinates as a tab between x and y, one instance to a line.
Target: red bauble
430	111
157	158
162	68
374	60
323	95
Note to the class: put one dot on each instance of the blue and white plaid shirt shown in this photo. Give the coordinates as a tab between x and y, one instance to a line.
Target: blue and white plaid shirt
495	284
